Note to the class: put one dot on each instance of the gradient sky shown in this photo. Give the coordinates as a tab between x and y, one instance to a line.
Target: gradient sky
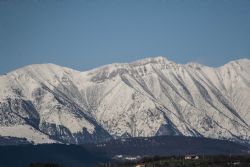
83	34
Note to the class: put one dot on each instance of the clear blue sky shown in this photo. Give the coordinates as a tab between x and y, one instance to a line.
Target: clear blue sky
83	34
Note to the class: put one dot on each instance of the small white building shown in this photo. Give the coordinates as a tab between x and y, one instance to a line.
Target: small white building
189	157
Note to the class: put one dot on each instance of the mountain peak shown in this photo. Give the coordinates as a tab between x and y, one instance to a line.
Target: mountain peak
153	60
239	61
45	68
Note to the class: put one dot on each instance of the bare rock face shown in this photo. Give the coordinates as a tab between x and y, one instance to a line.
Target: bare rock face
48	103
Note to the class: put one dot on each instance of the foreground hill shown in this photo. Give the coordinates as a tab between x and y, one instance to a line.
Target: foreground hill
46	103
115	150
166	146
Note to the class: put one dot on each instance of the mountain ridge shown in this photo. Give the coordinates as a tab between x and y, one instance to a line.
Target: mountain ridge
147	59
148	97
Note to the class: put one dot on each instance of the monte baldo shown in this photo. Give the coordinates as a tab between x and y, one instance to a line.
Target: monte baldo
46	103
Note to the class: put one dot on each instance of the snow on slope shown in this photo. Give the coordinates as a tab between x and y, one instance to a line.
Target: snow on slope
153	96
25	131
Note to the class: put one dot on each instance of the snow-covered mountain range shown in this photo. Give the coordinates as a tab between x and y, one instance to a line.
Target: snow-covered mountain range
46	103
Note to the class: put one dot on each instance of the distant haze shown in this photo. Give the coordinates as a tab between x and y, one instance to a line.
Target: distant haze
84	34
